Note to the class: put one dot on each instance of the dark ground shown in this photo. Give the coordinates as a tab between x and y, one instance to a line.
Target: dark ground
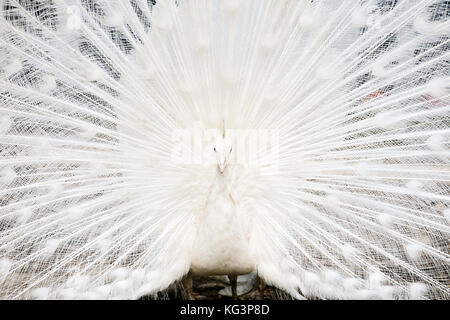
207	288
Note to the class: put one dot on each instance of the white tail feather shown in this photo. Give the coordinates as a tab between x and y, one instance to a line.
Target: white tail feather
92	93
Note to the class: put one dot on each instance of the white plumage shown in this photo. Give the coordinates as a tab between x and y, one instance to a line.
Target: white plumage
222	244
307	141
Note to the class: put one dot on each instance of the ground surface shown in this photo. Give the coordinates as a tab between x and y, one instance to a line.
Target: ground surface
209	288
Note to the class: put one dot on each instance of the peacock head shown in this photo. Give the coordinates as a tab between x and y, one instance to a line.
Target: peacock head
223	149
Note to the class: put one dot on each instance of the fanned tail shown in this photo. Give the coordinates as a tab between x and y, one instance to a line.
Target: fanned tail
354	205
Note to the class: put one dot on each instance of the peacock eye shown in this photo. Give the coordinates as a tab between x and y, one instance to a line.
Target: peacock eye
214	149
231	149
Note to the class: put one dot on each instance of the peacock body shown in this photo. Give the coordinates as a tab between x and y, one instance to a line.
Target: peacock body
306	141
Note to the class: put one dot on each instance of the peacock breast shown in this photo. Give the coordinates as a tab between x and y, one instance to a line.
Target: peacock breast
222	244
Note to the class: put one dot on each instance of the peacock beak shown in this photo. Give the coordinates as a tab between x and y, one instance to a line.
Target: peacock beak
221	167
